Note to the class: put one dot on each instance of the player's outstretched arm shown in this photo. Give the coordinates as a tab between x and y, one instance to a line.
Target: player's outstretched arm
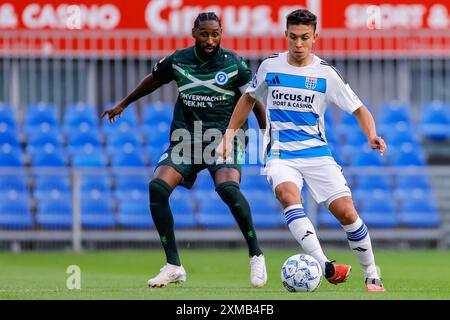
240	114
147	86
367	125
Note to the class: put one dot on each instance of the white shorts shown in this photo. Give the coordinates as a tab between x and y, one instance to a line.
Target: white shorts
322	175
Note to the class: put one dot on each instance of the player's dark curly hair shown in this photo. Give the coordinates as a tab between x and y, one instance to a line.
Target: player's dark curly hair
301	16
206	16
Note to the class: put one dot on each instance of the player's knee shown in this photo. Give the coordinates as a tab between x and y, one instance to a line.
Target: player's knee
287	197
159	191
231	194
346	215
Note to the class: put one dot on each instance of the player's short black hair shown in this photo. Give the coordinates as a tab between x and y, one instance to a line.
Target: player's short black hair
301	16
206	16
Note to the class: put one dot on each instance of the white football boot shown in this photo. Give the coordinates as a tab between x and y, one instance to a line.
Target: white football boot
169	273
258	273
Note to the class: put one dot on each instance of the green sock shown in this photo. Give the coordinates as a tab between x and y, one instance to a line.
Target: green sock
231	194
163	218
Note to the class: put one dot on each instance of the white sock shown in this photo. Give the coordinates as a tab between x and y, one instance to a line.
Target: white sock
303	231
359	241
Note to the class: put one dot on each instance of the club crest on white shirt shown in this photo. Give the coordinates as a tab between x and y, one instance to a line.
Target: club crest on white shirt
310	83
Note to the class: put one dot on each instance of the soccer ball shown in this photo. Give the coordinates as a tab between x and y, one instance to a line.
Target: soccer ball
301	273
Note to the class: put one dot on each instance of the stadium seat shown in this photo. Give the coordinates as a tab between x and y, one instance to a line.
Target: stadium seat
254	181
407	154
13	180
127	181
157	112
371	182
154	153
366	157
49	156
265	208
7	115
89	156
378	210
54	211
356	138
418	209
97	210
49	180
77	140
435	121
410	181
400	133
134	211
182	208
10	156
37	114
77	113
15	210
128	156
204	181
338	154
393	112
214	213
97	179
116	140
9	134
325	219
156	135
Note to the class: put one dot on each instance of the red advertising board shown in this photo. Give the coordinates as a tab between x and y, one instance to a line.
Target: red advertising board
252	27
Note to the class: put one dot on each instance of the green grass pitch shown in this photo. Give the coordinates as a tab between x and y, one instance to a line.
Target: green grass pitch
212	275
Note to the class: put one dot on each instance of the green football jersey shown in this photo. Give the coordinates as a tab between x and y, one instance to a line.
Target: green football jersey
207	91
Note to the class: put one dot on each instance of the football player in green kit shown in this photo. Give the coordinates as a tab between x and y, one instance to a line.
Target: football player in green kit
210	81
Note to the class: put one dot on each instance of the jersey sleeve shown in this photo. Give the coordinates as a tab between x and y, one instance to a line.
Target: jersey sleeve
340	93
163	70
244	73
258	87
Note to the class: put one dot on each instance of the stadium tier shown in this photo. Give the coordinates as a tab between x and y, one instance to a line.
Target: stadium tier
39	153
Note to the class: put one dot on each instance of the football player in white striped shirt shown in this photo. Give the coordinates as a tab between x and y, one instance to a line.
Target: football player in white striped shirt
296	86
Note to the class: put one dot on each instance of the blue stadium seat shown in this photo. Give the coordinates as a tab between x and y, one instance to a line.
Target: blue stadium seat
393	112
182	207
370	182
435	121
134	210
154	153
49	180
49	156
156	112
37	114
378	210
9	134
407	154
97	210
14	180
265	208
338	154
251	181
204	181
15	210
332	136
7	115
77	113
100	179
410	181
54	211
156	135
116	140
89	156
127	181
418	209
400	133
128	156
214	213
77	140
10	156
356	138
326	219
366	157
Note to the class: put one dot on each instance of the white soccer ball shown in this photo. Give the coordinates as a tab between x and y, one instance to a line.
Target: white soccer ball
301	273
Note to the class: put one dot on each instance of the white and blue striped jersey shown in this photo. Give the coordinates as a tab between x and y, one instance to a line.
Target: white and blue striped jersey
296	99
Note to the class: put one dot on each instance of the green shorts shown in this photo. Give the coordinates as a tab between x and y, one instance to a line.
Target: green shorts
188	160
